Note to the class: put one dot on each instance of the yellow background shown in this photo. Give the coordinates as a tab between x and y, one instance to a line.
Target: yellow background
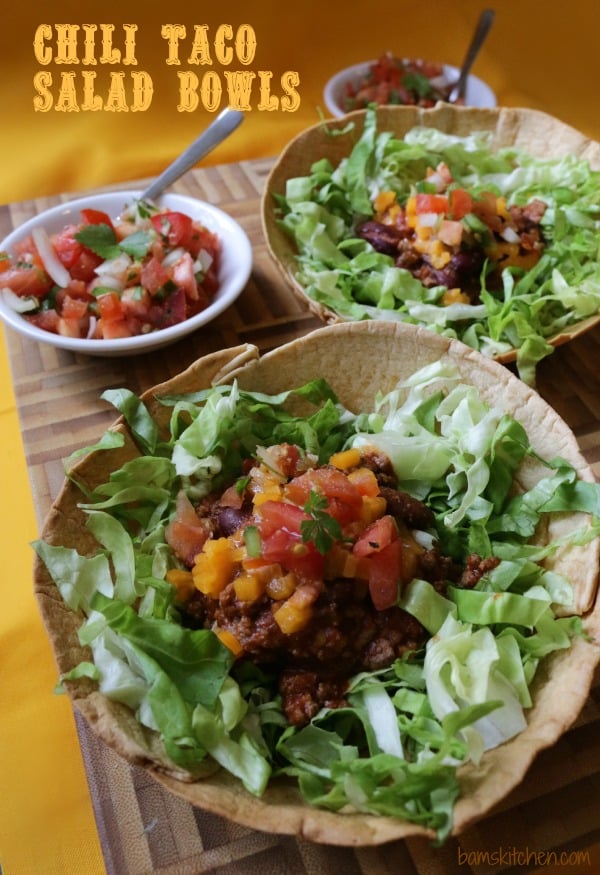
539	54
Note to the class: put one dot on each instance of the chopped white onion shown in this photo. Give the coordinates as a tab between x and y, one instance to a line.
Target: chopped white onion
203	261
92	327
17	303
172	257
428	220
117	267
436	180
107	281
510	235
55	269
423	539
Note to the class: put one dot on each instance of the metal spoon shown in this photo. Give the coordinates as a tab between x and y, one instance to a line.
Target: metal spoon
484	23
224	125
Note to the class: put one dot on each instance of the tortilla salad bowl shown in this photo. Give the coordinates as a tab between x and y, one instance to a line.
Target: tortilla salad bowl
243	758
469	221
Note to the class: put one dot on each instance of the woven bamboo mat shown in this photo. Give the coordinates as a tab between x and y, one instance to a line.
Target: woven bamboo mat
552	818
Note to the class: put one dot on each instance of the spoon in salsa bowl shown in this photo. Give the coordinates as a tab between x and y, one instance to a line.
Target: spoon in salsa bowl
225	124
484	23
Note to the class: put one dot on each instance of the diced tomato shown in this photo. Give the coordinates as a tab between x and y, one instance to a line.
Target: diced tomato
26	250
186	534
47	320
109	307
293	554
78	289
79	261
113	329
344	501
135	301
279	526
485	207
27	281
431	203
154	275
202	238
96	217
385	575
73	308
67	248
376	536
174	226
170	311
461	203
275	515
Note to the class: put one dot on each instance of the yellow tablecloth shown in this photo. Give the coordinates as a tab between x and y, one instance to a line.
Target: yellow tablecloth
542	55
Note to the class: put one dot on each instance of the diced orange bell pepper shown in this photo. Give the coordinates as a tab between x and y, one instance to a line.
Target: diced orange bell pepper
293	614
183	582
345	459
249	587
229	640
214	565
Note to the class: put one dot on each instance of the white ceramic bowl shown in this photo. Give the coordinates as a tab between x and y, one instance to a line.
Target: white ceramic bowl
478	93
235	267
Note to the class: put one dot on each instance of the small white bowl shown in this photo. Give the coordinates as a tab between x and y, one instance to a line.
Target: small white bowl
478	93
235	268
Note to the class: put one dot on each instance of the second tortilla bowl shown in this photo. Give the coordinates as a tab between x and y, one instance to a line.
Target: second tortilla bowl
534	132
359	360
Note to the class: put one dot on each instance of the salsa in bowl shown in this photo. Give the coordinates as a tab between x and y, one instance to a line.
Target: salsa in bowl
393	81
110	274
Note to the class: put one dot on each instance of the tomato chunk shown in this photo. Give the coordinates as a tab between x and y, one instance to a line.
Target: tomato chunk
461	203
385	575
109	306
344	501
376	536
174	226
279	527
96	217
432	203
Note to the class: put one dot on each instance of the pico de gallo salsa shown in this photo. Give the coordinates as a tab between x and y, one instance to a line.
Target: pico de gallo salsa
398	81
105	278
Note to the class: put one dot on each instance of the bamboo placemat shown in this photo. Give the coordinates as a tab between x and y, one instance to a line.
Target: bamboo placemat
551	818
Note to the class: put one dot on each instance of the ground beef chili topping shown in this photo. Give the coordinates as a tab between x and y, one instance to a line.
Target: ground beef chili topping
448	236
298	566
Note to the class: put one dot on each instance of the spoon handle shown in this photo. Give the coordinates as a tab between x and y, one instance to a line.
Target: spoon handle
224	125
486	20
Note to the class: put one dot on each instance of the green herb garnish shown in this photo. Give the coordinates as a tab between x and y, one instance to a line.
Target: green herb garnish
322	529
102	240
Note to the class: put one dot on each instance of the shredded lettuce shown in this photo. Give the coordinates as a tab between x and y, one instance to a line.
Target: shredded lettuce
345	274
394	748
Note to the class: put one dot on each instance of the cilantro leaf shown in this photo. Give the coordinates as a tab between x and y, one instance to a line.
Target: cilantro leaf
418	83
100	238
137	244
322	529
